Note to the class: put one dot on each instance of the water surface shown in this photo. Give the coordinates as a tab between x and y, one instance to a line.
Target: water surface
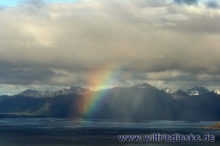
64	132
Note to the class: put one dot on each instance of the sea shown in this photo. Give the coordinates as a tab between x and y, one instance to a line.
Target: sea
72	132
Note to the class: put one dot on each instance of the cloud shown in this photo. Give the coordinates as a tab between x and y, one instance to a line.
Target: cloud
61	44
2	7
188	2
37	3
212	4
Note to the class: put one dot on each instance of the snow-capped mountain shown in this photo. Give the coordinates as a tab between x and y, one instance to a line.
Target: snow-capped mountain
142	102
30	93
46	93
38	93
197	91
43	91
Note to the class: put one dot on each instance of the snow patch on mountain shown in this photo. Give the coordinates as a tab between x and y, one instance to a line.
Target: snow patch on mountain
140	87
193	92
169	91
217	91
197	91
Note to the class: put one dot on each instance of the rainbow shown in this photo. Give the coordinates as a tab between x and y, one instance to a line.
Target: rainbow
105	76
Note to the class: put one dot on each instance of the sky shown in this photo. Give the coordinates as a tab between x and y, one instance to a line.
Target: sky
14	3
99	44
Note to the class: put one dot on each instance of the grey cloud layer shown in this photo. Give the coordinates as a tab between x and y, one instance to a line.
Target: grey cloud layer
209	4
212	4
188	2
64	44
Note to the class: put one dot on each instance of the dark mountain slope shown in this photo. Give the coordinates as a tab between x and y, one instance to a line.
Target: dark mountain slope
140	102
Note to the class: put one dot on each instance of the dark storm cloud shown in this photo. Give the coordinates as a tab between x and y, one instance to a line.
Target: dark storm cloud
188	2
25	76
212	4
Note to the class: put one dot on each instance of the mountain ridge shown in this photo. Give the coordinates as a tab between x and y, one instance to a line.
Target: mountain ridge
46	93
197	90
139	102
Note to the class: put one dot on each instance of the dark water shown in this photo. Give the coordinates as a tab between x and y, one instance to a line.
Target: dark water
62	132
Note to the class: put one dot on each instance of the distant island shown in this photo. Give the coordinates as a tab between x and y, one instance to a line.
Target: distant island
215	126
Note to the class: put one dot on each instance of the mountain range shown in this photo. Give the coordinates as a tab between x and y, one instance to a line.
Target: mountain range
139	102
40	93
